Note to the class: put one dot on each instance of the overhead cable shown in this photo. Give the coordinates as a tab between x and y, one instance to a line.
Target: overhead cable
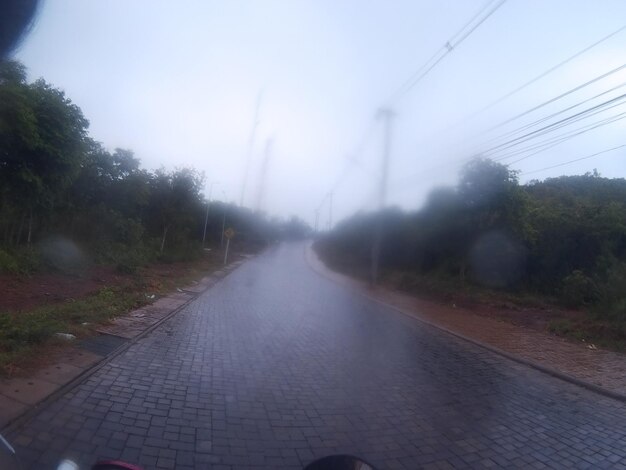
452	43
550	70
550	116
575	160
562	95
589	112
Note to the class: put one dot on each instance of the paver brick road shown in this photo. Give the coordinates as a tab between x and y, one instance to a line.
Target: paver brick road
277	365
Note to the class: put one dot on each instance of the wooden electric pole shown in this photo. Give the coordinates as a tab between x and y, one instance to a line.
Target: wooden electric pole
386	115
251	140
263	175
330	211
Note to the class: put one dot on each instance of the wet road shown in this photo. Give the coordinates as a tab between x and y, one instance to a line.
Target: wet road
277	365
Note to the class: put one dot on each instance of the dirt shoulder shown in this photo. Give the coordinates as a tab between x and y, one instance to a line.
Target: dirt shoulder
485	324
68	364
20	293
34	308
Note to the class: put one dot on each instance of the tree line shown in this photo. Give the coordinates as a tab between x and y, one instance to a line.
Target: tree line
57	181
563	237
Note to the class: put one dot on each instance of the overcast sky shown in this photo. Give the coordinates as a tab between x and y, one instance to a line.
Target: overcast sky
177	83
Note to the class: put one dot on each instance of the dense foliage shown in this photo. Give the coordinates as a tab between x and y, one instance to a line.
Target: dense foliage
564	237
64	196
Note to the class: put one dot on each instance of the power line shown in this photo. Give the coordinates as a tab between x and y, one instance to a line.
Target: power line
548	147
535	79
446	49
461	35
455	40
319	208
558	124
599	108
562	95
470	21
569	108
535	148
575	160
556	98
564	137
450	45
352	159
567	136
549	71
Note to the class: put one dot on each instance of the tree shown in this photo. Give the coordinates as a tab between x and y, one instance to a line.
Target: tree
55	179
42	135
484	181
174	198
295	229
18	137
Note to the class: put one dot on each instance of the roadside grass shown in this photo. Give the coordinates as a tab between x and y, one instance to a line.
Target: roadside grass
595	332
23	335
435	286
593	326
26	337
464	293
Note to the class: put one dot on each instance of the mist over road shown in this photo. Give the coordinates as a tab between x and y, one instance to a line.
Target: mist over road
277	365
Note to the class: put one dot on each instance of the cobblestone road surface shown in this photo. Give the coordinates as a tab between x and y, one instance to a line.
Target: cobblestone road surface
276	365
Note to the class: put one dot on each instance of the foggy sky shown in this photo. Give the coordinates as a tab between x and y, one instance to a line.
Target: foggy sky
177	83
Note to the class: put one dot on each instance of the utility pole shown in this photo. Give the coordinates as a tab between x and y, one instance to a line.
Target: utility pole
386	114
223	222
206	218
330	210
251	140
263	174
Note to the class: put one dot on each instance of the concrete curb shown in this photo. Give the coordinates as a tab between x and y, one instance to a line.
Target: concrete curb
513	357
21	419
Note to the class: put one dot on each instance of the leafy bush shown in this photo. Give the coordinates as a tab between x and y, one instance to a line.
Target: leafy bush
32	328
565	327
612	294
29	260
8	263
22	261
578	289
181	252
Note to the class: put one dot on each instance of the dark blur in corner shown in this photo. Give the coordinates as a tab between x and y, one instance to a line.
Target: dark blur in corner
16	18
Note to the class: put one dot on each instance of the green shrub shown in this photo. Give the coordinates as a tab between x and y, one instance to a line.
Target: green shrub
578	290
612	294
25	260
8	263
187	251
27	328
29	260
